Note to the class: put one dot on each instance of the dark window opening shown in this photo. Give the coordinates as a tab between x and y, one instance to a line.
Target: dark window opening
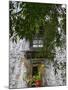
35	70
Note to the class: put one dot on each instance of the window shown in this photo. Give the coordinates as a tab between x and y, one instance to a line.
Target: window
37	43
35	70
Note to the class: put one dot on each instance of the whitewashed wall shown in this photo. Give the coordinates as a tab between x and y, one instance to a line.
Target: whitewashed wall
56	70
17	71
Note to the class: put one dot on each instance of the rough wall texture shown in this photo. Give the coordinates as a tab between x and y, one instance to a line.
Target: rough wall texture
55	72
17	69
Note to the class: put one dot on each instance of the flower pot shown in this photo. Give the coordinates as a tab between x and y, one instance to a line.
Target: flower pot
38	83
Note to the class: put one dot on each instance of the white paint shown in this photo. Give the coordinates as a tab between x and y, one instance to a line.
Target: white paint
16	53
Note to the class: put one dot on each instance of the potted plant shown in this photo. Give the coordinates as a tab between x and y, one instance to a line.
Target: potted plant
38	81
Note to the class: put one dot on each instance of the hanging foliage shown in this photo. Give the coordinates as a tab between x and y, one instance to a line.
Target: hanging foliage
29	20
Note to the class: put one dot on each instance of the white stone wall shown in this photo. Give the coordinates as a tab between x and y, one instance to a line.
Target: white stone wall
49	74
54	73
17	69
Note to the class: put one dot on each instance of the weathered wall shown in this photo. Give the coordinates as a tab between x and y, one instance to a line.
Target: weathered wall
54	71
17	68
